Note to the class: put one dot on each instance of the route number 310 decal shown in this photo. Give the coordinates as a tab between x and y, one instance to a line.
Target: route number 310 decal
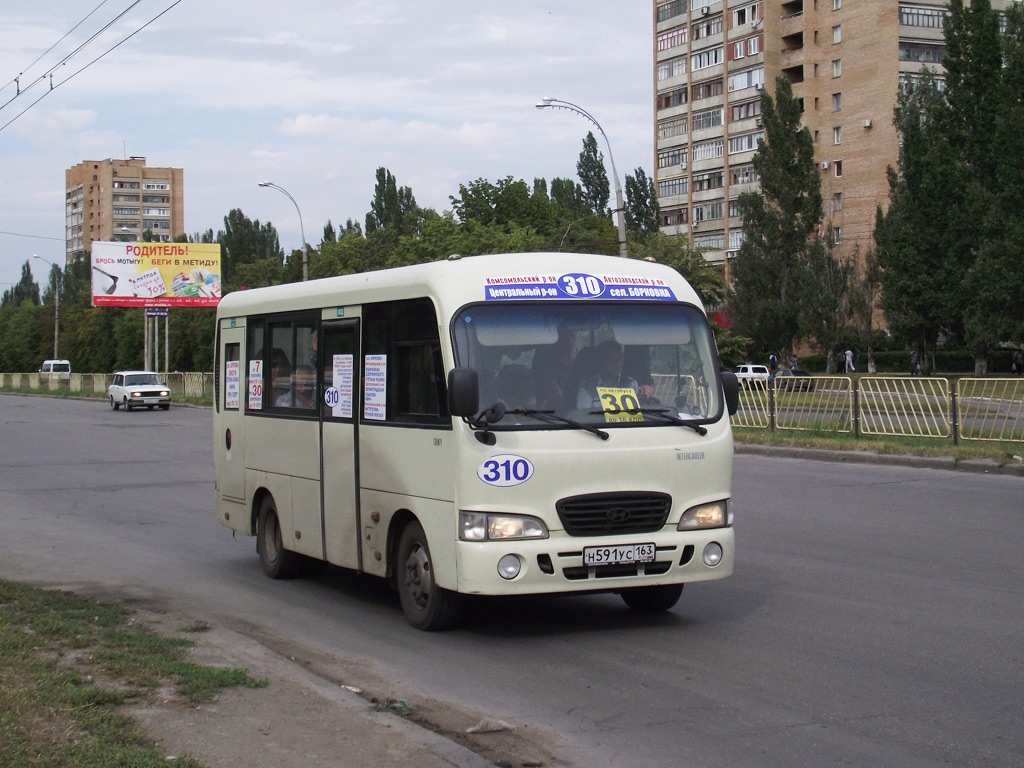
505	470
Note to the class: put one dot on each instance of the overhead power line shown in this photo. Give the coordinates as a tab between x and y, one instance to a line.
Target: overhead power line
49	73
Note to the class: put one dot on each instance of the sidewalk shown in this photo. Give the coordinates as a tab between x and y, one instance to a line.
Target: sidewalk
978	466
300	718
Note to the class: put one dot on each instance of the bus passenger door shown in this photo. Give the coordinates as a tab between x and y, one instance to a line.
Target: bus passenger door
229	458
339	462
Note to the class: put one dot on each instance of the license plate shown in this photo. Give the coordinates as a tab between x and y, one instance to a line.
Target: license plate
152	400
618	553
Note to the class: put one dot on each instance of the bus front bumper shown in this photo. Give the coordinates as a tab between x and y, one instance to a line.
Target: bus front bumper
556	564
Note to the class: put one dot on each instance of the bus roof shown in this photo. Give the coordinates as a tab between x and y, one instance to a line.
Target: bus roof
458	280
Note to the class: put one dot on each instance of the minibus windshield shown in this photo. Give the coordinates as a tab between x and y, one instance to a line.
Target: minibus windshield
602	364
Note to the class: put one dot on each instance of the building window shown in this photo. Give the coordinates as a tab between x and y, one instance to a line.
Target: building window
672	68
155	185
674	187
739	49
707	28
710	118
838	233
837	67
672	158
746	109
743	174
673	98
837	102
911	16
753	45
676	126
735	237
705	59
709	211
671	10
746	15
673	217
837	202
708	150
713	242
752	78
674	37
837	135
707	89
702	182
837	33
838	166
922	52
745	143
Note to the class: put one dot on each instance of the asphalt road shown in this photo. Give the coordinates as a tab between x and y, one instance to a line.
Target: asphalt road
874	619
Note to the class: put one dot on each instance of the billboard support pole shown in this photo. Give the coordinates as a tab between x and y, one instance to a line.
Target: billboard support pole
167	337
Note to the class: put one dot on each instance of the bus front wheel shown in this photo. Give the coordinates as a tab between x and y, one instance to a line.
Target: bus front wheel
425	604
277	562
652	599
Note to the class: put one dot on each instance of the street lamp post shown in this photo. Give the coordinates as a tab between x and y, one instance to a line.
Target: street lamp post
56	309
305	249
619	208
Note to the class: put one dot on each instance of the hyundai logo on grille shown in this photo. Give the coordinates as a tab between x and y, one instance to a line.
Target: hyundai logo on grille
617	515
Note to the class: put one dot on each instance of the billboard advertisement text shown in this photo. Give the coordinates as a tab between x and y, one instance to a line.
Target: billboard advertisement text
155	274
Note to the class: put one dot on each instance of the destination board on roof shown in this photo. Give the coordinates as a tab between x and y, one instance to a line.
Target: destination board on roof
576	285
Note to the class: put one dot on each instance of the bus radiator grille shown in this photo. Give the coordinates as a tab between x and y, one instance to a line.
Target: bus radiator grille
614	514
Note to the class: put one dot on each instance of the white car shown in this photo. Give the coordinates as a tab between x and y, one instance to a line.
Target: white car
138	388
752	375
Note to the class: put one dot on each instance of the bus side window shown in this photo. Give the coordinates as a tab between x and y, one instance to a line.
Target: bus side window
405	333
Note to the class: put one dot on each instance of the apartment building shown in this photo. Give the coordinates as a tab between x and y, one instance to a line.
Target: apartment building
846	62
112	200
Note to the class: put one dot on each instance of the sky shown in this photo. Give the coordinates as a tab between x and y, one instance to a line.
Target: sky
313	95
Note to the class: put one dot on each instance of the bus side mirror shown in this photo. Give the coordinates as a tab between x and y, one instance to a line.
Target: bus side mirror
463	392
731	386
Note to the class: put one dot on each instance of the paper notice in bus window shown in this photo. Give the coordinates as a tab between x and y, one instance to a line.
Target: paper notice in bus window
343	381
375	388
231	393
255	385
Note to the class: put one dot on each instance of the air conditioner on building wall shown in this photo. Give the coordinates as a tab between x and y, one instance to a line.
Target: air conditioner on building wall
682	166
759	123
824	165
867	123
704	11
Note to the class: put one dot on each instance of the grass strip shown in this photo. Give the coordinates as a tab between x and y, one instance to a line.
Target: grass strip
69	664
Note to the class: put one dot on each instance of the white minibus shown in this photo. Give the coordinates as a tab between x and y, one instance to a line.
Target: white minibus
510	424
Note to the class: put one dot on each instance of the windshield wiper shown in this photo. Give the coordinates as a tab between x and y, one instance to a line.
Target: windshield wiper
552	418
664	413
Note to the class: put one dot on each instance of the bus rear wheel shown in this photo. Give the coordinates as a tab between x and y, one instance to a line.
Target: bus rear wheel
277	562
652	599
425	604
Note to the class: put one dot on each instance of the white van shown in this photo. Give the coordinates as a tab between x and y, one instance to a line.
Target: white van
61	367
527	423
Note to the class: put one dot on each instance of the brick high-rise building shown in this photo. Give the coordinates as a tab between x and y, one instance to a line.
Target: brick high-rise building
112	200
846	63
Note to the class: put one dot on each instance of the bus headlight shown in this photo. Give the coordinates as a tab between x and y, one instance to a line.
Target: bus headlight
477	526
713	515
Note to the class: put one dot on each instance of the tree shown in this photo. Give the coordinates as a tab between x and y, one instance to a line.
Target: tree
642	212
779	228
593	177
26	289
251	253
950	263
390	203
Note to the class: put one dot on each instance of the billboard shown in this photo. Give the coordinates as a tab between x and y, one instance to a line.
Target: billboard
155	274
